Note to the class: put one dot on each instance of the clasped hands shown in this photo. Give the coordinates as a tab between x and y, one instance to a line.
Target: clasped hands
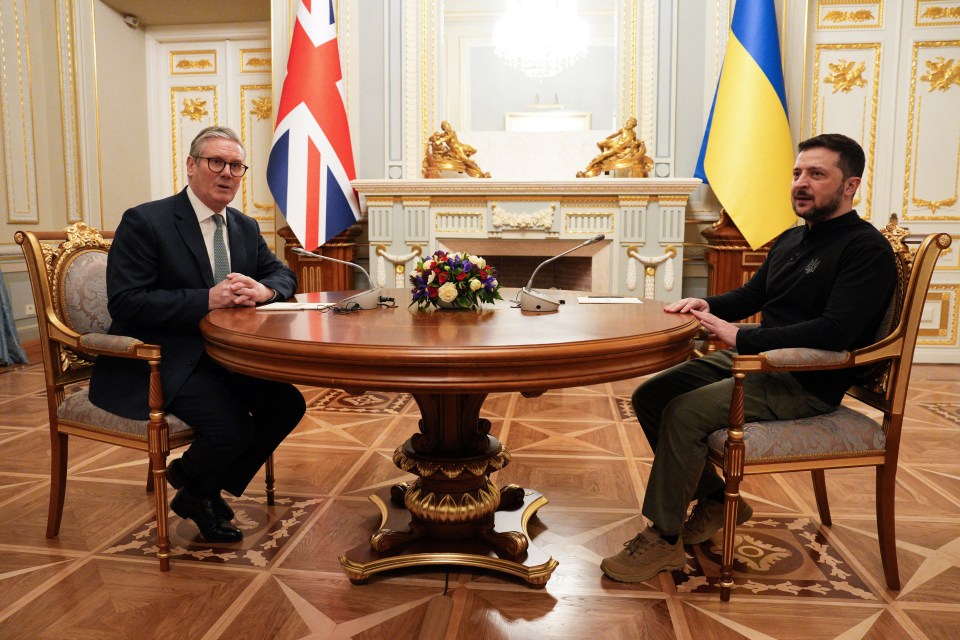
238	290
724	331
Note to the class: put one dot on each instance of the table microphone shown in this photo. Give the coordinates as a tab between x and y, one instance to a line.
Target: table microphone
537	301
368	299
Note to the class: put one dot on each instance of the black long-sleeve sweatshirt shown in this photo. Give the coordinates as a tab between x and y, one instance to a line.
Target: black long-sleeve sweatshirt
823	287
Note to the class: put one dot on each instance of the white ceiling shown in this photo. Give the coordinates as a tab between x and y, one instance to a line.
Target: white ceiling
179	12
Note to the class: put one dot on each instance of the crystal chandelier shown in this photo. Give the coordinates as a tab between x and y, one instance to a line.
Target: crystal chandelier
541	38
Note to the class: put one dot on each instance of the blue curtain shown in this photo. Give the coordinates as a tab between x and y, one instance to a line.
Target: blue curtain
10	350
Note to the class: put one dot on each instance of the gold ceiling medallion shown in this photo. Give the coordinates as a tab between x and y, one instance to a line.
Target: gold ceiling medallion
941	13
942	74
194	64
621	151
863	15
262	107
194	108
846	75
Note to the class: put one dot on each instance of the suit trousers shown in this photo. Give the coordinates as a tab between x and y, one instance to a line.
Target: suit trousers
239	421
679	407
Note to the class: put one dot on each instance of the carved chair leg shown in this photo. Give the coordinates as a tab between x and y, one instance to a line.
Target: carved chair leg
149	480
270	482
158	472
730	505
886	524
820	493
59	448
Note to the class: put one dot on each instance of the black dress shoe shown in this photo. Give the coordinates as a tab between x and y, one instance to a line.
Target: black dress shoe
176	480
200	510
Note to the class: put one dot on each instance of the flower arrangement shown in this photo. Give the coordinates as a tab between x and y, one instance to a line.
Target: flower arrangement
455	280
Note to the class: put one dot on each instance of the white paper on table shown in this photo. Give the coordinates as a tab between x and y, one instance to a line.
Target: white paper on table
295	306
608	300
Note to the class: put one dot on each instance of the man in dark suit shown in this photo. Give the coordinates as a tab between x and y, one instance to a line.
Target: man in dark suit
171	262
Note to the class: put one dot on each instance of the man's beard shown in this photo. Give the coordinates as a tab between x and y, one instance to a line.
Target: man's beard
821	212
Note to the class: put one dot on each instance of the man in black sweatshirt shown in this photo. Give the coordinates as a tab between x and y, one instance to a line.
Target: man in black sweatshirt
826	285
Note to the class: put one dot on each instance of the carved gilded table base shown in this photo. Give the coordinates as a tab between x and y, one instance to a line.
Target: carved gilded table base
453	513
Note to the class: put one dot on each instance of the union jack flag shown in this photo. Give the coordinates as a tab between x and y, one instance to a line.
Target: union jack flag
311	162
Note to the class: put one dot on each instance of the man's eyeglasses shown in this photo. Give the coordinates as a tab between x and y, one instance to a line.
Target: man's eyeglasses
237	169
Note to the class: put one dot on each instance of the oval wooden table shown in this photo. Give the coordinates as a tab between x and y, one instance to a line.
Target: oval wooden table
450	360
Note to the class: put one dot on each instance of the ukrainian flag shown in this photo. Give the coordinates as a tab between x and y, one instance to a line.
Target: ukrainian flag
747	154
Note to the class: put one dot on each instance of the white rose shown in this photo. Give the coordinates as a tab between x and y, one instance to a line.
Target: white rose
475	284
480	262
428	264
432	277
447	292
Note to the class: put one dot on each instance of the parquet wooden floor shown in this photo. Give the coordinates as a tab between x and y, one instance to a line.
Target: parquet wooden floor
580	447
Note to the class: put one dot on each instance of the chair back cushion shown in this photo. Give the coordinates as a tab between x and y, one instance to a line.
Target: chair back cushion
841	432
83	292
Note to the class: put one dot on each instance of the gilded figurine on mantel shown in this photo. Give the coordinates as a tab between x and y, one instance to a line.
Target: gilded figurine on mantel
445	152
621	151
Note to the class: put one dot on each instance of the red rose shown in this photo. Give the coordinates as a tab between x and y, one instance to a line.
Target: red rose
461	276
443	277
432	291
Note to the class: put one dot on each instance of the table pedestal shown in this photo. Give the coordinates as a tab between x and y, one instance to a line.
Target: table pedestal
453	513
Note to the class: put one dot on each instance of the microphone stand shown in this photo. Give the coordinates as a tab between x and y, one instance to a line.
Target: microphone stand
368	299
539	302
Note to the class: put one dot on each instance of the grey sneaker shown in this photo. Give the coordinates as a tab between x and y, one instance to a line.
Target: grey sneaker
707	519
643	557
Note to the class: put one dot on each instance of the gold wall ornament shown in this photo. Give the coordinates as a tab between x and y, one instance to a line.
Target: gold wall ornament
861	15
262	107
194	108
942	73
258	62
621	151
194	64
941	13
445	152
846	75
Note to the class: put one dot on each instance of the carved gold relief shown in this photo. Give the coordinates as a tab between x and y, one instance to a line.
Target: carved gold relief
844	76
262	107
862	15
849	112
255	60
195	109
942	74
933	134
936	15
848	14
193	62
942	330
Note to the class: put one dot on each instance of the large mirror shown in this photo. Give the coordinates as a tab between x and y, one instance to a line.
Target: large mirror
530	65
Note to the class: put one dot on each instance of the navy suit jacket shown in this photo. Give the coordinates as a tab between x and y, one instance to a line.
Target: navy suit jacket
158	282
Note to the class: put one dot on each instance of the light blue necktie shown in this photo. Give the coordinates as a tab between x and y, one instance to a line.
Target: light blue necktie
221	263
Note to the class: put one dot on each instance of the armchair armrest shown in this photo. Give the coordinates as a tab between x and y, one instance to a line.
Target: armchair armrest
102	344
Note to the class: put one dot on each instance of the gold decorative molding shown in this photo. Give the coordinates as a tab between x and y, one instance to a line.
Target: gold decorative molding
857	54
849	14
183	63
195	109
262	108
863	15
844	76
932	121
255	60
946	297
942	74
936	13
175	118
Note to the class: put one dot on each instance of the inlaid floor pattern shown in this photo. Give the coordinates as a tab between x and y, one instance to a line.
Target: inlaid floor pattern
580	447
